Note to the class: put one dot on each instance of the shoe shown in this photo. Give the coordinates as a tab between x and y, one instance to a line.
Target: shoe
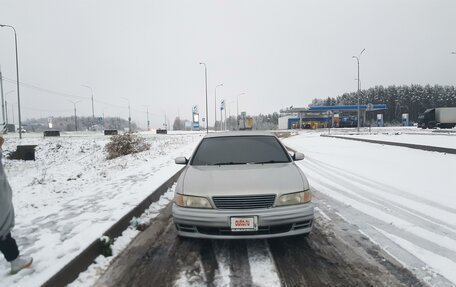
20	263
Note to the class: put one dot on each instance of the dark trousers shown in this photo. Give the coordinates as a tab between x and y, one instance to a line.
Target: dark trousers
8	247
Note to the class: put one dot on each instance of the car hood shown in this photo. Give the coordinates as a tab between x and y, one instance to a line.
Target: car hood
211	181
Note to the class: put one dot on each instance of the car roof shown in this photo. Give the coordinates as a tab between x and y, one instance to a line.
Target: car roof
238	134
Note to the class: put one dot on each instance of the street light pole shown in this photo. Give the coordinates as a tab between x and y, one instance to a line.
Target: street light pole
215	107
205	81
17	80
237	109
359	88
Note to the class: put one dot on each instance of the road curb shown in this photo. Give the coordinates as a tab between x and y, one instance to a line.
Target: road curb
81	262
413	146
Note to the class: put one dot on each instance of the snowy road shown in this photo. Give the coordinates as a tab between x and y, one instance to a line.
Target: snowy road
335	254
402	199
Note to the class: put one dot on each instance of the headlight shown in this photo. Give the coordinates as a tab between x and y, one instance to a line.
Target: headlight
191	201
295	198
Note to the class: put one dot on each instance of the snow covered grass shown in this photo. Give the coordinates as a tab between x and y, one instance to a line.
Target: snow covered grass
71	194
402	198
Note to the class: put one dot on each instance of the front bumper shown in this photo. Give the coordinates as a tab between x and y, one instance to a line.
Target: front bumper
272	222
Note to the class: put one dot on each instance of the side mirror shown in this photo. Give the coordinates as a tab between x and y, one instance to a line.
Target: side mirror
181	160
298	156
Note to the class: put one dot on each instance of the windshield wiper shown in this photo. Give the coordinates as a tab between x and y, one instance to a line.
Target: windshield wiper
228	163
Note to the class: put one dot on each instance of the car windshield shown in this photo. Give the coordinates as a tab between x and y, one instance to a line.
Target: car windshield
240	150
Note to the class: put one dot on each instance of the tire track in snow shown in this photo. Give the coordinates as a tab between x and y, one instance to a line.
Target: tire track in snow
352	217
377	185
239	264
262	266
405	226
370	194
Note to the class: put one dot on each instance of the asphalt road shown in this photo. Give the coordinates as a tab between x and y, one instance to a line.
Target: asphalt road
334	254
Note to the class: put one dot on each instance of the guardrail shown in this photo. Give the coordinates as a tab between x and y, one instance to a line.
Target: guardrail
413	146
80	263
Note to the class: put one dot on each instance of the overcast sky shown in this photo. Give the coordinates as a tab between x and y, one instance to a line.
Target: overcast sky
280	53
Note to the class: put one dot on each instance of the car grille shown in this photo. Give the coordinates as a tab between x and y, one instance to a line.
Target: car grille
244	202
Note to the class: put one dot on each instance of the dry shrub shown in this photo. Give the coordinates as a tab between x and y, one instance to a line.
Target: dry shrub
127	143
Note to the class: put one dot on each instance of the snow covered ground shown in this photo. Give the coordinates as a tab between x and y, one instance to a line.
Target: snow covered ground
71	194
412	135
401	198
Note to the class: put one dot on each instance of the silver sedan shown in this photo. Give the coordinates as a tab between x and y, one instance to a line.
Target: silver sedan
242	185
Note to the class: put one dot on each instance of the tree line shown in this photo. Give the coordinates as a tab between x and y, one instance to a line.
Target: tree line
81	124
413	99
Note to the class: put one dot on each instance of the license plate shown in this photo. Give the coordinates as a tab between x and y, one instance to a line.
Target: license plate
244	223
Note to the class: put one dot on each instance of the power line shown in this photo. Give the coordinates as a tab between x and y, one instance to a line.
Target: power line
44	90
66	95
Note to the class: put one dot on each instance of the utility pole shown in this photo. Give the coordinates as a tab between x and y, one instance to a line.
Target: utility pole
6	111
93	109
237	109
225	115
12	109
75	117
147	115
129	118
3	102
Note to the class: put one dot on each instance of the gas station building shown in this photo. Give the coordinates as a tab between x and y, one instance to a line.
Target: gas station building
314	117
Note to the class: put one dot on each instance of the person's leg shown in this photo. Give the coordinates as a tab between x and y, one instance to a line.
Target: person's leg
10	250
9	247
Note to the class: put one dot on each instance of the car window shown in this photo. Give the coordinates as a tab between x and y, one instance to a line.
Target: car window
240	150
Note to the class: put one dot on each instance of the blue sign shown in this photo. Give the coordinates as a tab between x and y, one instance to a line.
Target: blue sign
196	125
